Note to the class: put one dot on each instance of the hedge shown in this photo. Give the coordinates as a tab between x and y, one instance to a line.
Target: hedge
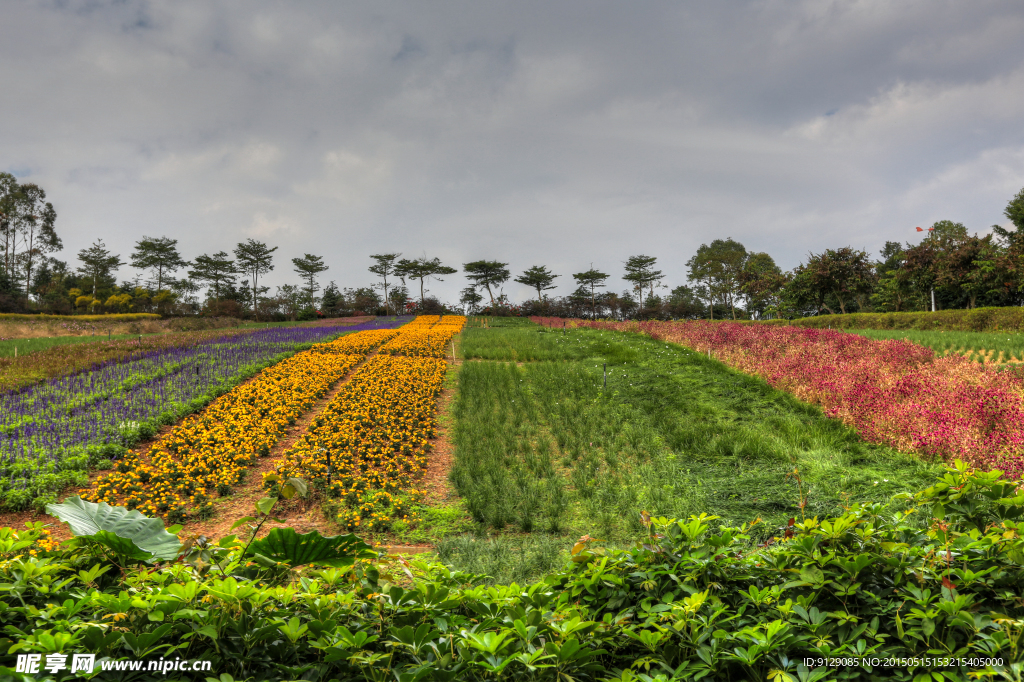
976	320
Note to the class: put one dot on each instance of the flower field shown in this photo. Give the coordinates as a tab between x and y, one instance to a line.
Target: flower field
892	392
49	431
210	452
374	434
369	445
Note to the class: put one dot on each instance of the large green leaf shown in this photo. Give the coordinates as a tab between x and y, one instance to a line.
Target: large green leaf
128	533
285	545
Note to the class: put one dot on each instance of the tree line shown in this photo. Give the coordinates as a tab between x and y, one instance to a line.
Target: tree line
949	268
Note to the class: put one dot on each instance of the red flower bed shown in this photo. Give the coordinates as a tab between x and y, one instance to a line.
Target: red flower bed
891	392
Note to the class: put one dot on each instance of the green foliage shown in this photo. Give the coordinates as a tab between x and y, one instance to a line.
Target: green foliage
287	546
505	559
432	524
689	601
126	534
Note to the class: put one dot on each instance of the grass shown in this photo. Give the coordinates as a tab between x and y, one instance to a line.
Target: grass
983	346
493	322
433	525
504	559
545	451
34	345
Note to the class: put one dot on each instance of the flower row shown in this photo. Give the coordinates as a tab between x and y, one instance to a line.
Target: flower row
210	452
359	344
428	342
369	445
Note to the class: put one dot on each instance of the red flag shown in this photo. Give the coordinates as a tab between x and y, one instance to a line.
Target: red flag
919	229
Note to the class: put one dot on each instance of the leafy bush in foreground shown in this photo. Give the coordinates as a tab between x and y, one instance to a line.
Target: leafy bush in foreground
942	581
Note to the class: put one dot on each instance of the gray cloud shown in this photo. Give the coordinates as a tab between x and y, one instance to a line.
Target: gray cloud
556	133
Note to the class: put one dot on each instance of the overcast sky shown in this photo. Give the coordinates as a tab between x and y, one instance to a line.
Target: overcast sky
559	133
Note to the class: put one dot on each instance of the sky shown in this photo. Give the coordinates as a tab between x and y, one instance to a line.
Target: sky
568	134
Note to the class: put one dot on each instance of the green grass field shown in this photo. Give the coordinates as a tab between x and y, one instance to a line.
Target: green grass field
982	346
28	346
543	449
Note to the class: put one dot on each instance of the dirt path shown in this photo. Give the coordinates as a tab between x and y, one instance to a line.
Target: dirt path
438	489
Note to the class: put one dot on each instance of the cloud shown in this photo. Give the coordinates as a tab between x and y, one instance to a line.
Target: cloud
536	133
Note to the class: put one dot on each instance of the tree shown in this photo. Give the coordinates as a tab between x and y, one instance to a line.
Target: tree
97	263
33	220
470	299
331	302
308	267
159	254
539	278
49	285
684	302
844	273
363	299
218	270
932	267
384	268
186	292
591	278
254	259
761	281
640	271
422	269
399	297
486	273
893	292
718	267
288	299
8	195
1015	211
